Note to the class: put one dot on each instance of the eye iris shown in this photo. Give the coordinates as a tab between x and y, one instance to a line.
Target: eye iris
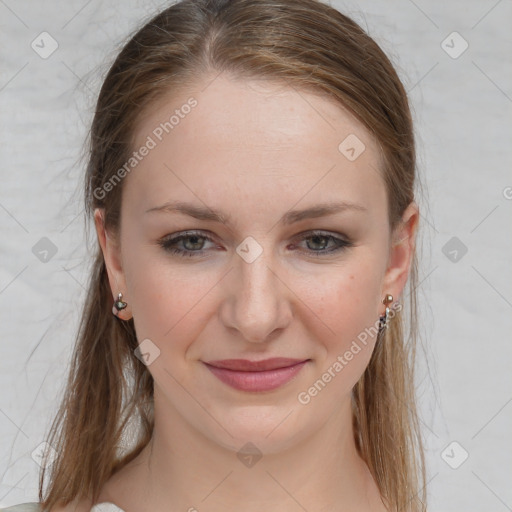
195	245
317	238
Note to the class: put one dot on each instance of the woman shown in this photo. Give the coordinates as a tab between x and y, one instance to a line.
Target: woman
251	179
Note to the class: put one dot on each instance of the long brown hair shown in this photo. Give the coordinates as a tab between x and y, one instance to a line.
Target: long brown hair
310	46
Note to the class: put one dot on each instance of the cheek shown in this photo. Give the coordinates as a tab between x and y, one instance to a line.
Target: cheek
346	299
168	299
348	305
357	298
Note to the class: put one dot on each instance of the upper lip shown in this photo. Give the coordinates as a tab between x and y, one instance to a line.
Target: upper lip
255	366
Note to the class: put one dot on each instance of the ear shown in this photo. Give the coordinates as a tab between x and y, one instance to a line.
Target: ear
112	256
401	252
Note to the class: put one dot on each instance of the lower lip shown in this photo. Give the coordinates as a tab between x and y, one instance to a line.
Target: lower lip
256	381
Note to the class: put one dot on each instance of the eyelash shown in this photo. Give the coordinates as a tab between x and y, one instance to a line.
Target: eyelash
169	243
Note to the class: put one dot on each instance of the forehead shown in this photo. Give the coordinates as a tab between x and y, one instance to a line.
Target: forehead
250	141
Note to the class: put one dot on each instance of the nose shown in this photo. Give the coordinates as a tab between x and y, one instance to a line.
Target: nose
258	304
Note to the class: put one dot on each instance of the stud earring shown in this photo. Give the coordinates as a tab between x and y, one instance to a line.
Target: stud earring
118	305
383	320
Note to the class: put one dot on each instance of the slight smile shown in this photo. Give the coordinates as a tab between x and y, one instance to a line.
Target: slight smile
264	375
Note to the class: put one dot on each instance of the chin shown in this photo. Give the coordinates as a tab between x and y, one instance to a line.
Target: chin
267	430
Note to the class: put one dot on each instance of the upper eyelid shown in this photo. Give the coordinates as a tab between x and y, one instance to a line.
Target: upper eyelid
208	235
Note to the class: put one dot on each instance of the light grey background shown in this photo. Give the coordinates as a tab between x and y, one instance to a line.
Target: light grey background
462	108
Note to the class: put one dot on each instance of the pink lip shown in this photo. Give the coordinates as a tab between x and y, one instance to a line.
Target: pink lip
256	375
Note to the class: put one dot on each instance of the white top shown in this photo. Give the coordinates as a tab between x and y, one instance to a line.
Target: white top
36	507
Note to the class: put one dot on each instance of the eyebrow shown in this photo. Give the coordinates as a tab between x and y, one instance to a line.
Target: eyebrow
290	217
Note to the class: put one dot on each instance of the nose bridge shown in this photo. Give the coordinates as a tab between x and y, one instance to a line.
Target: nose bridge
257	303
257	281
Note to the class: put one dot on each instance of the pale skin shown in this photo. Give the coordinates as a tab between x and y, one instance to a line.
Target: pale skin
254	151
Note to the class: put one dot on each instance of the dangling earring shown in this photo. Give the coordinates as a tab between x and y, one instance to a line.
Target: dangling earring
383	320
118	305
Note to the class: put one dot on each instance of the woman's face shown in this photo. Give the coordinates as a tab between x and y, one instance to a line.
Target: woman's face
289	257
